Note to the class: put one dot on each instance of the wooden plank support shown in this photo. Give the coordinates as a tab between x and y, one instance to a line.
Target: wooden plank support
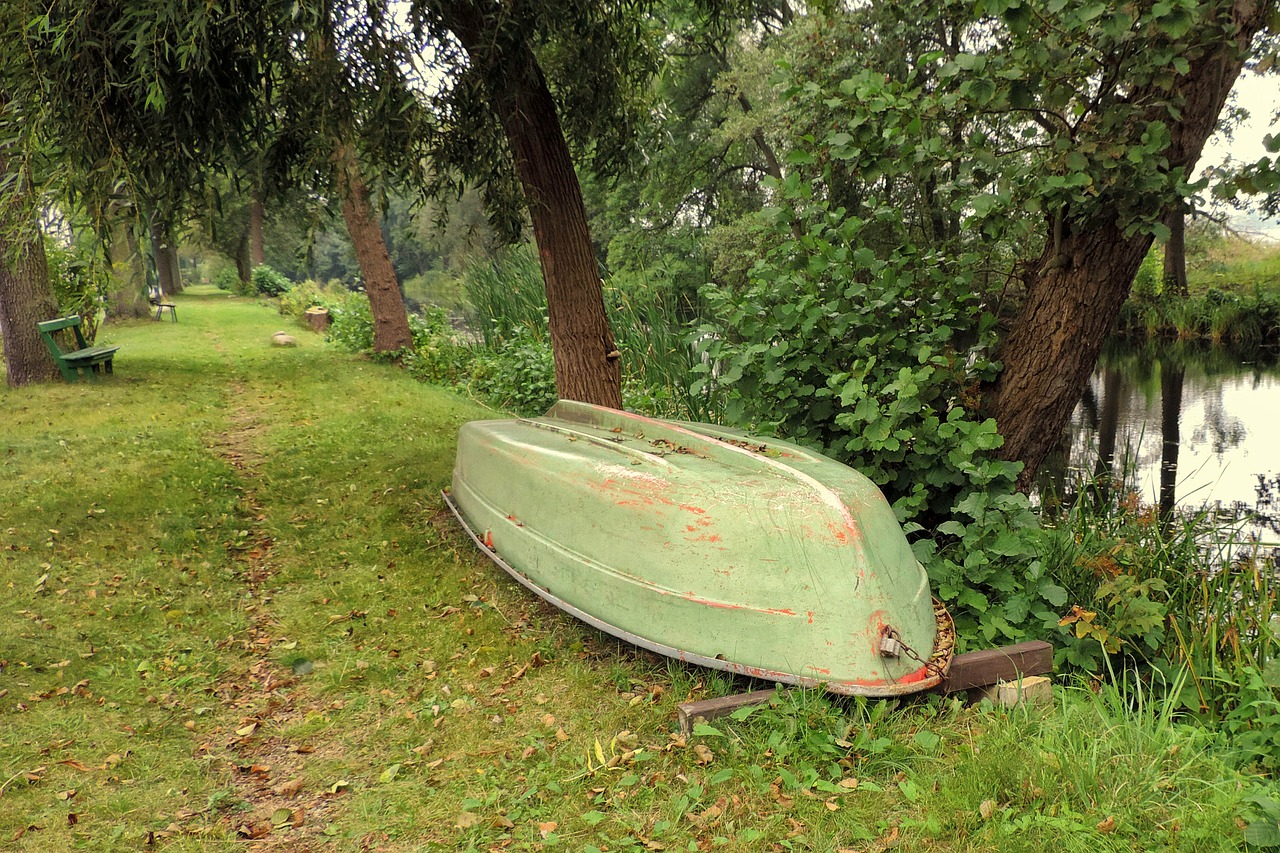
990	666
980	669
705	710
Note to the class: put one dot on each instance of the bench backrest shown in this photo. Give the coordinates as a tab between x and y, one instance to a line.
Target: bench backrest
48	327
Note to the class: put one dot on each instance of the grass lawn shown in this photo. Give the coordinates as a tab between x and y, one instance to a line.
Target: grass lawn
237	616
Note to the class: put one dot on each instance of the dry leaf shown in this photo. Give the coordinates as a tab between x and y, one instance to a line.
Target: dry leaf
245	731
548	720
1106	826
987	809
290	788
76	765
702	753
849	783
66	795
466	820
545	829
502	822
561	735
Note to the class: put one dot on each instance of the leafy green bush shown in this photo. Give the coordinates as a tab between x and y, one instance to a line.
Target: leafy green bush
519	375
269	282
308	294
80	281
228	279
352	326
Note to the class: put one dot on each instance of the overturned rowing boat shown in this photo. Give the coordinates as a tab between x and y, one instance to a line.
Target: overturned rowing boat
745	554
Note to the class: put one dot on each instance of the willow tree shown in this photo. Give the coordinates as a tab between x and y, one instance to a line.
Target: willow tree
156	97
525	85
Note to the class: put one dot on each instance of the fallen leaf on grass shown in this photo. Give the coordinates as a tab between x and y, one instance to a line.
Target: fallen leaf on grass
66	795
281	817
290	788
548	720
849	783
339	786
245	731
1106	826
702	753
389	774
502	822
258	829
987	809
76	765
466	820
561	735
545	829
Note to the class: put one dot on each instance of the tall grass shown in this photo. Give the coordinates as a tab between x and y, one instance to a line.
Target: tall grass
1187	601
651	329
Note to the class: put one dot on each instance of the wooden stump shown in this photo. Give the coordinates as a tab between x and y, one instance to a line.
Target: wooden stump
318	318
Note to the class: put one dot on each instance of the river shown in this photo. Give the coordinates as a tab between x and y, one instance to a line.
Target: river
1184	427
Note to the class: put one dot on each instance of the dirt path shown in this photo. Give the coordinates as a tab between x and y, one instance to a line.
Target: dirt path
264	696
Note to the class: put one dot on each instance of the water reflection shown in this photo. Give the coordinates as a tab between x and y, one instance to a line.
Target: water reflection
1184	427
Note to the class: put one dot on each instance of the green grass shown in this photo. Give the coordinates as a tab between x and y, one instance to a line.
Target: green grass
234	602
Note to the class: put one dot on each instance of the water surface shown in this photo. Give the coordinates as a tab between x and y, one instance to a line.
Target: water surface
1185	428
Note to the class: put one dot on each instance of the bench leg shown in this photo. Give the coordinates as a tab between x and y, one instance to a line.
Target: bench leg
107	364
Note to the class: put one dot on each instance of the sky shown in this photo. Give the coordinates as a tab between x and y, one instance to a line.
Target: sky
1260	95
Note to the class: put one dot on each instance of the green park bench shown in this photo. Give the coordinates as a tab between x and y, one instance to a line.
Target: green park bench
85	358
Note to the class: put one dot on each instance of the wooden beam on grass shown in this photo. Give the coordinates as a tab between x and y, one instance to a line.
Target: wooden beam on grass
969	671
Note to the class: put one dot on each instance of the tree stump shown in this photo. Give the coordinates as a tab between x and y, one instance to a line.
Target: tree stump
318	318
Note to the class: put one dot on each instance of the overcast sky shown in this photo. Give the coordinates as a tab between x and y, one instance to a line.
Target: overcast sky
1260	95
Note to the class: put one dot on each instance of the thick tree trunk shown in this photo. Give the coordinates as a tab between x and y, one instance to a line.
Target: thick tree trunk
26	298
587	361
128	296
175	268
257	246
390	319
1077	288
1175	254
244	257
160	253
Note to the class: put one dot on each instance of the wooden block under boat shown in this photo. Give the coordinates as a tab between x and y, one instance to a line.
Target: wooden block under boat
969	671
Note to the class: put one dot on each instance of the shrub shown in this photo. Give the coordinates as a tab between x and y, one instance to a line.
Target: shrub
352	326
309	294
228	279
519	375
268	282
80	281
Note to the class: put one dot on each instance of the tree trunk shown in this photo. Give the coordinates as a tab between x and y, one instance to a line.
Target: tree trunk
587	361
128	296
257	247
390	319
26	298
175	268
1175	254
1077	288
244	257
160	253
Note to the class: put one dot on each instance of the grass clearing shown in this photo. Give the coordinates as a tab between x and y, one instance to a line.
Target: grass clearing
238	615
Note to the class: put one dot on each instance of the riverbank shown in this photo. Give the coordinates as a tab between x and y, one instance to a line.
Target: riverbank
1233	296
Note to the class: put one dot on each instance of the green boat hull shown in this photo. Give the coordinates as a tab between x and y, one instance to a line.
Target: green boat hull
749	555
